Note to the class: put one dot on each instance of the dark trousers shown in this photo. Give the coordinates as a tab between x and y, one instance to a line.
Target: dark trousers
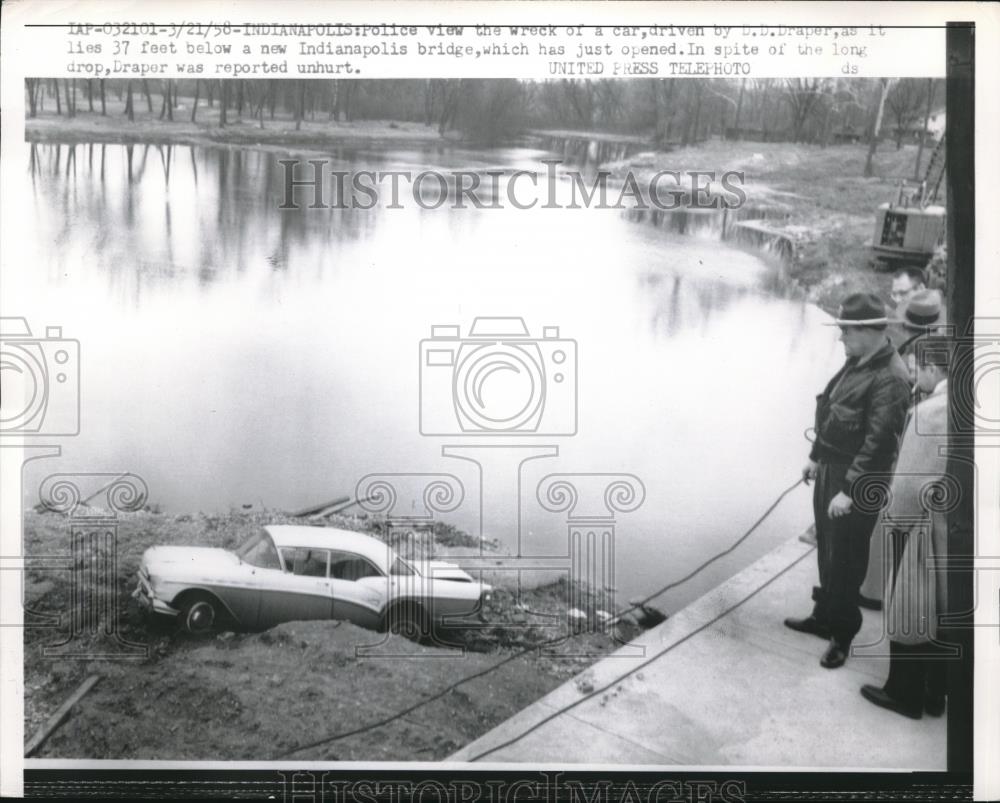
915	670
842	551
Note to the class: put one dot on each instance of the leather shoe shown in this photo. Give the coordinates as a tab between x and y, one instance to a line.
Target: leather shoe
835	655
810	625
881	698
934	706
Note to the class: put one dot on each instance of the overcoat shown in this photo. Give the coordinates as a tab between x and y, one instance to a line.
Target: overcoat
919	498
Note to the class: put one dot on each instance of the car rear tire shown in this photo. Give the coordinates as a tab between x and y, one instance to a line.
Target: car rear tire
200	614
409	621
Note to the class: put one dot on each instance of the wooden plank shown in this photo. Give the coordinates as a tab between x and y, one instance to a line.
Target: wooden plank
309	511
753	225
340	507
60	715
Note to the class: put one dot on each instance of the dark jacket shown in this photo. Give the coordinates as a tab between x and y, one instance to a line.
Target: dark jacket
860	415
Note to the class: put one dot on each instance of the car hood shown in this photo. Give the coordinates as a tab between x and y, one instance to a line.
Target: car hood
443	570
186	560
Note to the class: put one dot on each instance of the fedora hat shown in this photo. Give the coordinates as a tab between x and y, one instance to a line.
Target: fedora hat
860	309
923	311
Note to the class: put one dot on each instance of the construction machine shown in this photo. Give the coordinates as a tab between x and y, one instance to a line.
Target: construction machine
909	229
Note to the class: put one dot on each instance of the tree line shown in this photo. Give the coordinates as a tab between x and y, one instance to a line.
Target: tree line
674	111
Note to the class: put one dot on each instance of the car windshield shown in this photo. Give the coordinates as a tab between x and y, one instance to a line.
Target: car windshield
259	550
401	567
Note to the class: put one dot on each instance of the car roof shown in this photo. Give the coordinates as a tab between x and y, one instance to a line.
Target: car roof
289	535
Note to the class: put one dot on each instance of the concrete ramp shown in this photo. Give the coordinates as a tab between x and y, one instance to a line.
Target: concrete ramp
724	683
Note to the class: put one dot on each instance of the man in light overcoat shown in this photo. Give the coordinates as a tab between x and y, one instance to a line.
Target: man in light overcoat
916	521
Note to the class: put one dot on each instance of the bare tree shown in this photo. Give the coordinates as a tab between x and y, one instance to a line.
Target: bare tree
878	109
129	107
923	135
448	92
223	102
802	96
100	86
300	103
197	95
149	96
696	89
665	90
167	107
430	96
759	105
904	103
342	99
580	94
31	87
721	94
70	111
739	108
609	101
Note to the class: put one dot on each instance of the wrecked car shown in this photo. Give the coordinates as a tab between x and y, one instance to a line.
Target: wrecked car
287	572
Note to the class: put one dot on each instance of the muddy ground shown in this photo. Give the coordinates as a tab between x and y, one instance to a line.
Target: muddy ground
241	695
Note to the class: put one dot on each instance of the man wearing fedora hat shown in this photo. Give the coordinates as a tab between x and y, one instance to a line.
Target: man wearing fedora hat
921	314
859	417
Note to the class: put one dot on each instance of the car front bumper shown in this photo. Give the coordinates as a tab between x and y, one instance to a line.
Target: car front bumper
147	600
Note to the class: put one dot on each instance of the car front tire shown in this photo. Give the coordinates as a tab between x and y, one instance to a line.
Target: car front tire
199	615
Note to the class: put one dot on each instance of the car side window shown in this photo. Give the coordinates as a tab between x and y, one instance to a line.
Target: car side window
305	562
348	566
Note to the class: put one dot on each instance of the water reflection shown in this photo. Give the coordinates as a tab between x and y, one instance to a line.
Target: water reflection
162	218
237	353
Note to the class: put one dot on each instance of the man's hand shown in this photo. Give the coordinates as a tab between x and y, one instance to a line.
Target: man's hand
809	471
840	505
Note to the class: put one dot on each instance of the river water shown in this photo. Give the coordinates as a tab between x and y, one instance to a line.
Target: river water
235	355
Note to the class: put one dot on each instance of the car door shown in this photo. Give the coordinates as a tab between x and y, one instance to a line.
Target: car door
301	590
360	589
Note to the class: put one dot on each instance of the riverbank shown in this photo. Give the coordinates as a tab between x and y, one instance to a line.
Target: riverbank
241	695
279	132
817	198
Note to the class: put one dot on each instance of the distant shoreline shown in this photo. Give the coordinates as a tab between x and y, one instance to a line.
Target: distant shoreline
94	128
